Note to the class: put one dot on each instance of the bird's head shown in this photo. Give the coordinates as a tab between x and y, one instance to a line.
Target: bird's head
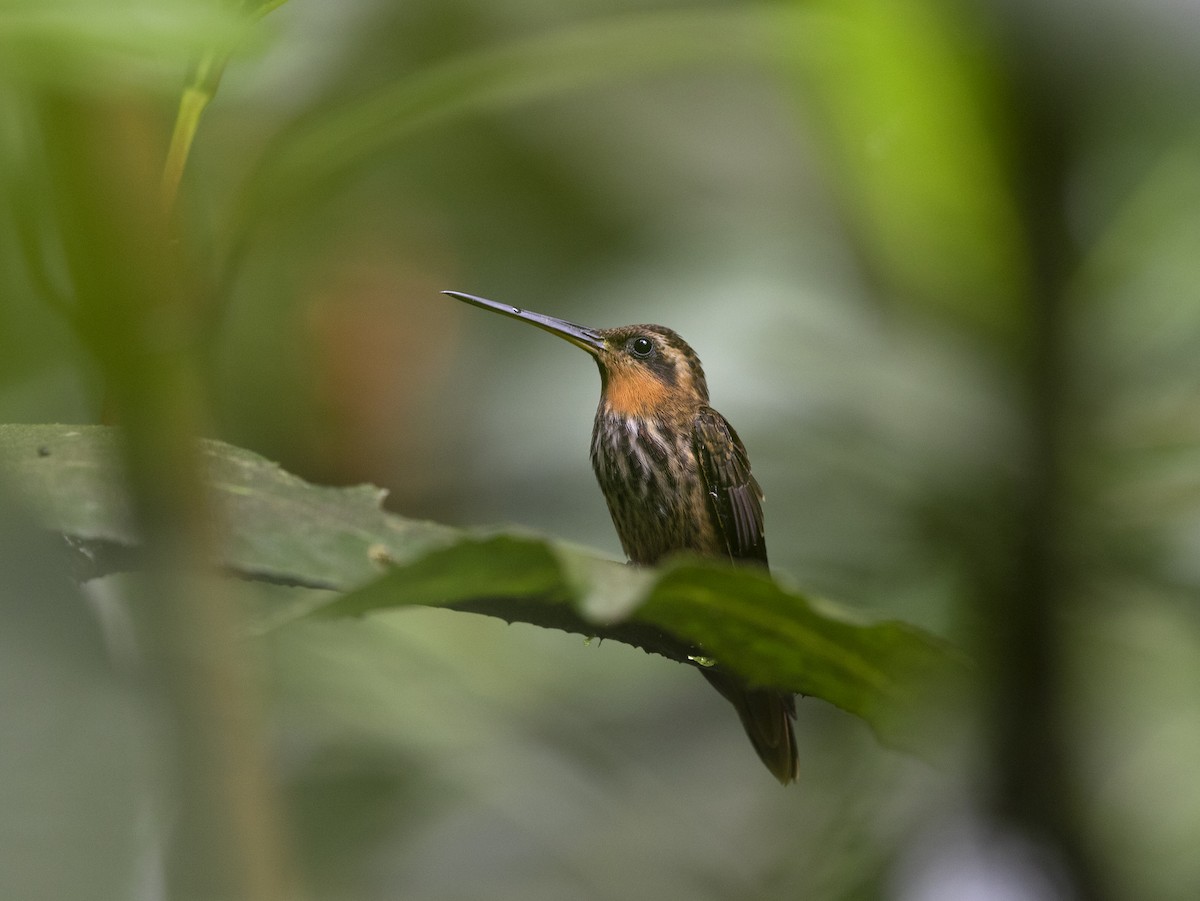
645	370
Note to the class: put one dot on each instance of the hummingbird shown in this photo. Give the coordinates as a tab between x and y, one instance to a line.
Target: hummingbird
676	477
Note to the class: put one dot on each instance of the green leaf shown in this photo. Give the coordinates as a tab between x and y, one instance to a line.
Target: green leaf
883	672
284	530
277	527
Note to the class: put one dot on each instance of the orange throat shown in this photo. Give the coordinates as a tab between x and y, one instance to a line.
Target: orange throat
635	394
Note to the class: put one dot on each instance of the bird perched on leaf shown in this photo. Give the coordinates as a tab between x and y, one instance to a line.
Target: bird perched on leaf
676	478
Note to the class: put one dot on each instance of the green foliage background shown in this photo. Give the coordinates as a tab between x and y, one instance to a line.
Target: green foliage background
939	260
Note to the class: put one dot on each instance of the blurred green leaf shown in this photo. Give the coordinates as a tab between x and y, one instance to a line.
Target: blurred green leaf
323	148
283	529
78	741
913	129
81	41
264	6
368	792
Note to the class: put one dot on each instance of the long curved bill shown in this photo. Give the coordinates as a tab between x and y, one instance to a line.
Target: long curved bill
587	338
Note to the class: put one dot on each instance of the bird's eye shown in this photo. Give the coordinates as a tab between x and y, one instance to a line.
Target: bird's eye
641	347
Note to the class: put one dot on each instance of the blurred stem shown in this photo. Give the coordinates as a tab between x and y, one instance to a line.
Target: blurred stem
201	87
1036	786
202	82
135	315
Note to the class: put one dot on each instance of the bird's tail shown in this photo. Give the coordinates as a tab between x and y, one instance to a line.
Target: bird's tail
767	715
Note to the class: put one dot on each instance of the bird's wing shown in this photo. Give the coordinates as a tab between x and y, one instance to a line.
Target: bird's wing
733	495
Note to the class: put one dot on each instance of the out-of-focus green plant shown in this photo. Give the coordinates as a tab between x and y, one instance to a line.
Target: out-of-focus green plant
917	129
98	233
198	92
